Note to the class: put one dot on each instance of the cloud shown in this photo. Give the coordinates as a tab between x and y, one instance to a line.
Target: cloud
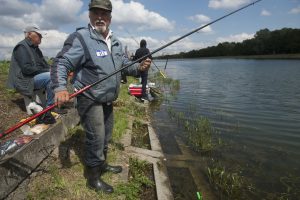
134	42
54	12
53	42
16	8
235	38
135	13
207	29
226	4
54	39
9	41
265	13
50	14
295	10
184	45
200	18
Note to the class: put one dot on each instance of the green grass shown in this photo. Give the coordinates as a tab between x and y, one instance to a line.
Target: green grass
4	67
120	125
137	181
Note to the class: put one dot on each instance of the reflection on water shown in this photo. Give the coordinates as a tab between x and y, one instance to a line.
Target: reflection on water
254	105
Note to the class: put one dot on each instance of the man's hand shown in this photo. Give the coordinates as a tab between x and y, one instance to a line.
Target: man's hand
62	97
145	64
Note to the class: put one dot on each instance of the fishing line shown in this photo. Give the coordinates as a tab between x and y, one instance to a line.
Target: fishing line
119	70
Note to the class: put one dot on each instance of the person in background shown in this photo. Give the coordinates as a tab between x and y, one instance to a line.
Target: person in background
92	53
123	75
29	70
142	51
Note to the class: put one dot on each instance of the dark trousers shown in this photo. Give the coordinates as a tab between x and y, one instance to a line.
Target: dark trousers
97	121
144	77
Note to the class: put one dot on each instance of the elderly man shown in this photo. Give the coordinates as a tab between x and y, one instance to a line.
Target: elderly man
92	53
29	71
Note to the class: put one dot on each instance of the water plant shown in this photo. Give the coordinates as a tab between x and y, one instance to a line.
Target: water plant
199	132
168	86
228	185
292	185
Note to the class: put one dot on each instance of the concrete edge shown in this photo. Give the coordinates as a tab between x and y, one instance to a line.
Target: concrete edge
156	158
17	168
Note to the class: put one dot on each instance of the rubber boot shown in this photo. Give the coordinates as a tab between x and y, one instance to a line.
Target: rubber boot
95	182
46	118
109	168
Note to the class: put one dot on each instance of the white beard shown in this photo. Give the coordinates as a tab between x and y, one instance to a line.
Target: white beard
101	29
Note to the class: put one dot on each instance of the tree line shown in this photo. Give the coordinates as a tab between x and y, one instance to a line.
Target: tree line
265	42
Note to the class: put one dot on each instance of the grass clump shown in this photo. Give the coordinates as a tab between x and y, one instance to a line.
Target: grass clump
228	185
138	180
199	132
140	135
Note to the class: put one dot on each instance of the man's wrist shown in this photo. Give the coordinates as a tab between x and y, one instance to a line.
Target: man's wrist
140	67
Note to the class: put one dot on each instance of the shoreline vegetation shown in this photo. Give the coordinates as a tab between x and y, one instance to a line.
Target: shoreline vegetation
273	56
265	44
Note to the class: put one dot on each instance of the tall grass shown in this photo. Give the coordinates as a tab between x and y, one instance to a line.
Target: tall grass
4	67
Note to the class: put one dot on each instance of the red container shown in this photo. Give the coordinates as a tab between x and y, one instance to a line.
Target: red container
135	90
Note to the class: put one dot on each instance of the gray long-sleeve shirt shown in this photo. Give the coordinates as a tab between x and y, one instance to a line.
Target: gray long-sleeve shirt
86	53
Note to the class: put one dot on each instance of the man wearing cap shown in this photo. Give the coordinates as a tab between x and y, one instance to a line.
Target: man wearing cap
29	71
92	53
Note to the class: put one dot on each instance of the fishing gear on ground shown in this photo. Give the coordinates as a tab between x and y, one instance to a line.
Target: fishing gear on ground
12	145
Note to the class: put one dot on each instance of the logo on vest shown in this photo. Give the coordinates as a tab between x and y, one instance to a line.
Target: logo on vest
101	53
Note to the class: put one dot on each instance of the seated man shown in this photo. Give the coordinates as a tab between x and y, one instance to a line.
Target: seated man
29	71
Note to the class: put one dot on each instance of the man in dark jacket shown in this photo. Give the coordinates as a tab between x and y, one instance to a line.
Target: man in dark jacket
92	53
29	71
142	51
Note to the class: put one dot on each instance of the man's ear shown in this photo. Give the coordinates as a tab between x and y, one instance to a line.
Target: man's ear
29	35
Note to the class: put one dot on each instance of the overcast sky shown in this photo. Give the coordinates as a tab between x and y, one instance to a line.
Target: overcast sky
157	21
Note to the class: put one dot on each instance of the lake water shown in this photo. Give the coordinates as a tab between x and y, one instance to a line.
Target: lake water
254	106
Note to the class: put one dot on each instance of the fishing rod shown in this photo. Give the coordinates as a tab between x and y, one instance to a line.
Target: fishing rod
166	64
152	60
159	70
119	70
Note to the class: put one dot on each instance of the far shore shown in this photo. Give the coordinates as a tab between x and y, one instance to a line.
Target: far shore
273	56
